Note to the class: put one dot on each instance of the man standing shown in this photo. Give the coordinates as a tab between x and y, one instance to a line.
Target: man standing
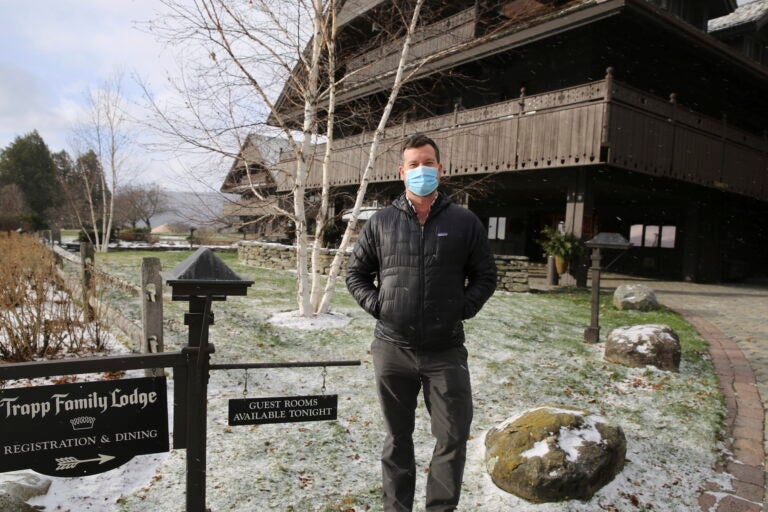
434	268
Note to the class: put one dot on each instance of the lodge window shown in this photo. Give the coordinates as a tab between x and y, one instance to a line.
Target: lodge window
641	235
497	227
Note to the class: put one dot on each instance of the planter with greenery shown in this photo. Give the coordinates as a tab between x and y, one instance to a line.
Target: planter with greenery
565	247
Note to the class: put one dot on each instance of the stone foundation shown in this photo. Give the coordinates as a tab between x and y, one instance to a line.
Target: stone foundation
281	257
512	273
512	270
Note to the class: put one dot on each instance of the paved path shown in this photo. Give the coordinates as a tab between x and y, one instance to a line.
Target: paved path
734	319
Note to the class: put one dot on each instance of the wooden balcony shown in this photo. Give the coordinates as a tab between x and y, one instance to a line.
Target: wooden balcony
654	136
430	40
249	208
599	123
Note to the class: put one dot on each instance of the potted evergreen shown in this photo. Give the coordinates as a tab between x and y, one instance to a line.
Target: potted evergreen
564	247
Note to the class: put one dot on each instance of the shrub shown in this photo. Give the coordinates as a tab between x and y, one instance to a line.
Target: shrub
137	235
37	318
82	236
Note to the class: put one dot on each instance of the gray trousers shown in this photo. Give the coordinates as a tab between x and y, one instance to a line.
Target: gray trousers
444	376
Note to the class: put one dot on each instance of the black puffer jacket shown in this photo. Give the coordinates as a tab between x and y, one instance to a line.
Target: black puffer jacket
429	279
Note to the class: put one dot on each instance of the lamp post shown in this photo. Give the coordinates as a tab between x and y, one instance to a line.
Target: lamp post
600	241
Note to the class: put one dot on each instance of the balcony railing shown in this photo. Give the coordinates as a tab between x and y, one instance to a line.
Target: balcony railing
430	40
599	123
249	208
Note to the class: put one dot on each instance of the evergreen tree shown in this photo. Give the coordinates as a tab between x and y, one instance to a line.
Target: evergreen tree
28	164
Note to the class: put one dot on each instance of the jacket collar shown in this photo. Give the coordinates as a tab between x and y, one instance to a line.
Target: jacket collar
441	202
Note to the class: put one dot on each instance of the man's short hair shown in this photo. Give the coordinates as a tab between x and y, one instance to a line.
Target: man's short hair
418	140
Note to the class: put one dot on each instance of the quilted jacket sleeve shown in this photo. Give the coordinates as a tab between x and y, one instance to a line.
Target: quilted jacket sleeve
480	271
362	270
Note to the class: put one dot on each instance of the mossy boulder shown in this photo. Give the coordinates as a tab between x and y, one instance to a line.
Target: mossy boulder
554	453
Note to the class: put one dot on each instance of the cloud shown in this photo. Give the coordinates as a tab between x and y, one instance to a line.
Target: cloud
26	104
20	91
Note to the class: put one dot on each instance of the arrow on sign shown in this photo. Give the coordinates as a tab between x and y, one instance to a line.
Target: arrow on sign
71	462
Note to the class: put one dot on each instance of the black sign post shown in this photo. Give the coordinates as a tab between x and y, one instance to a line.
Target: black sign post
82	429
200	279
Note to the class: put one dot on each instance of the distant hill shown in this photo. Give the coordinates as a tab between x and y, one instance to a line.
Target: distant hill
198	210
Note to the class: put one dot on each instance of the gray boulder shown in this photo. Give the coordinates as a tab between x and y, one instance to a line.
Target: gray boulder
641	345
553	453
10	503
23	485
635	296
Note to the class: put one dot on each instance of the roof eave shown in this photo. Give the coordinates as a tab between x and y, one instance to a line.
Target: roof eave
705	40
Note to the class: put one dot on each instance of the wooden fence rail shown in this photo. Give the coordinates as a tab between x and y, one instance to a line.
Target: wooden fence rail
148	335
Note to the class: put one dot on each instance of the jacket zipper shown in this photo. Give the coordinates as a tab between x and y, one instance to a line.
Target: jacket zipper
421	279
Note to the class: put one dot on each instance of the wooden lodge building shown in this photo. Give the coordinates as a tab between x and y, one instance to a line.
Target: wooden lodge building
642	117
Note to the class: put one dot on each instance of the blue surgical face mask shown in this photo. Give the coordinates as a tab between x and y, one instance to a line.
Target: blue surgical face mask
421	180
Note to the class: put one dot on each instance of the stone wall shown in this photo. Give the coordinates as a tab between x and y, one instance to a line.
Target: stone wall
280	257
512	270
512	273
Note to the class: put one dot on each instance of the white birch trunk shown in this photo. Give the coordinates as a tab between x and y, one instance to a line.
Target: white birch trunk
322	215
302	163
325	304
89	197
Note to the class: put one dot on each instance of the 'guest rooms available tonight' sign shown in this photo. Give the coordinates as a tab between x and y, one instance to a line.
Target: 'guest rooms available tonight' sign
82	429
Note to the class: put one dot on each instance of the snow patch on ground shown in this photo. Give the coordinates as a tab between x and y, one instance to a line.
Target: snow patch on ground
292	320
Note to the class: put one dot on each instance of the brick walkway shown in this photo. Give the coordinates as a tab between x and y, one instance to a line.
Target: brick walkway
734	320
743	423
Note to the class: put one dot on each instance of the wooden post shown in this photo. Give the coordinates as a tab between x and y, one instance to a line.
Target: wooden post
151	310
579	204
455	114
521	105
56	236
673	120
87	256
605	138
723	148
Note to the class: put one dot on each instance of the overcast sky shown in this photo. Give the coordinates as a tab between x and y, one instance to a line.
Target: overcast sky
53	51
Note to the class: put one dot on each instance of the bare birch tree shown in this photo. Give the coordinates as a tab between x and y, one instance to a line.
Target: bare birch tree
254	51
103	135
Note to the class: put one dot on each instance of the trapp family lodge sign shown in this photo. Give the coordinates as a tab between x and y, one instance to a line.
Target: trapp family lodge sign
82	429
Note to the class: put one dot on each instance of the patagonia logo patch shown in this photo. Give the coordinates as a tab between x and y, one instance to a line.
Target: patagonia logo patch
442	233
